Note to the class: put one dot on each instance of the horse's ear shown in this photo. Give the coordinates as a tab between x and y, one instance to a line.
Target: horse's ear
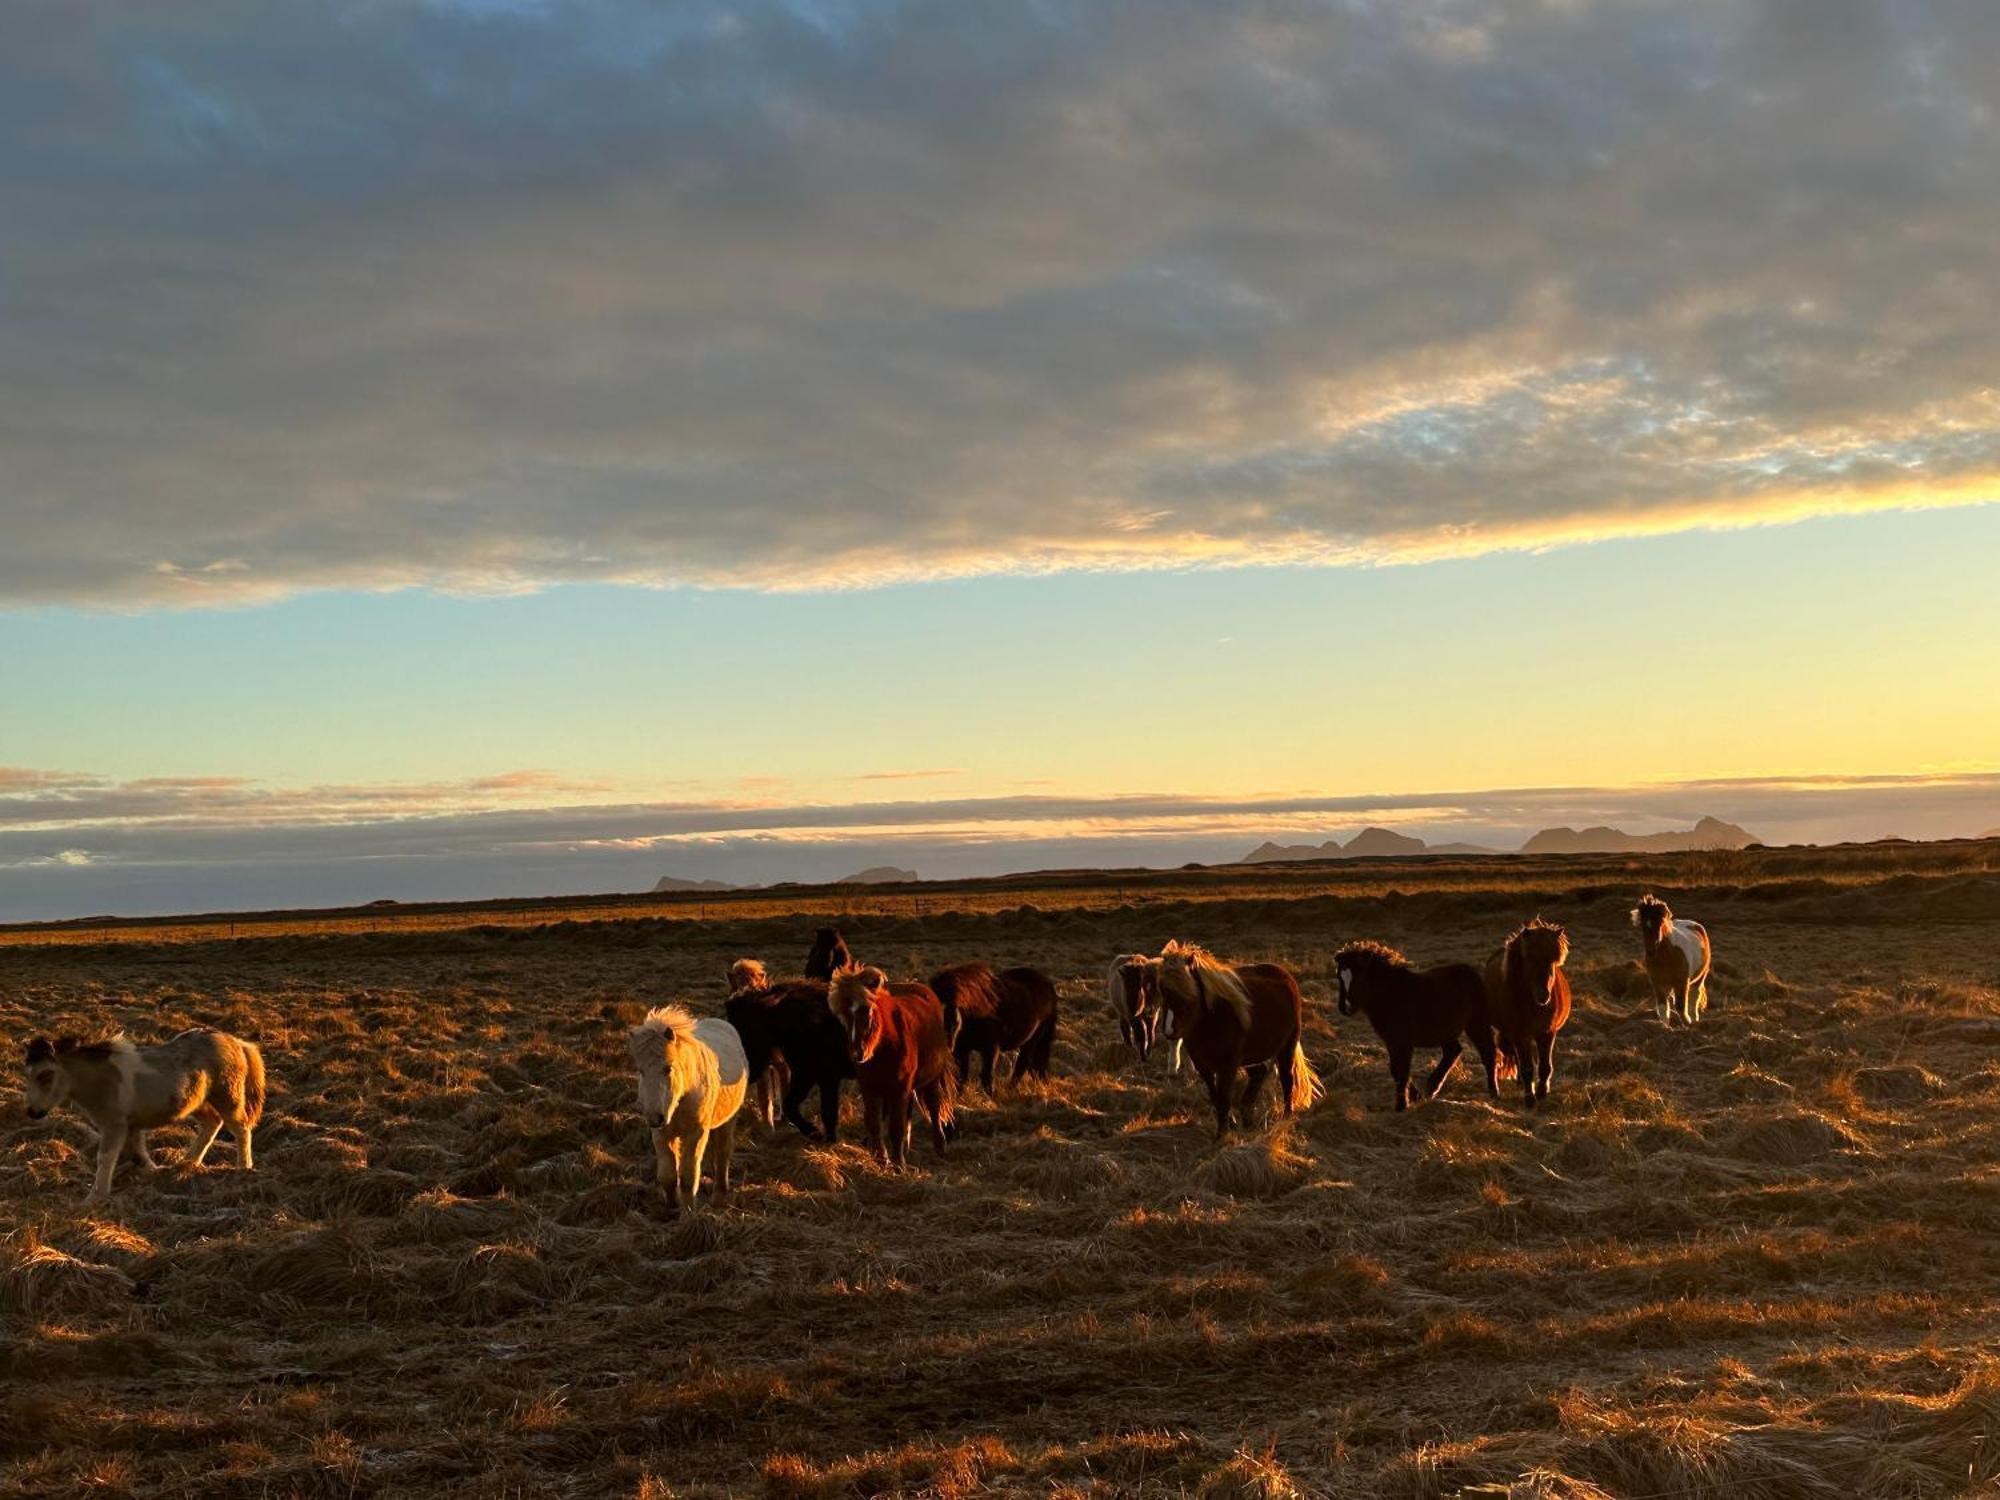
874	978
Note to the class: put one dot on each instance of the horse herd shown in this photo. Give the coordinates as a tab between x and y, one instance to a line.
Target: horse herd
907	1044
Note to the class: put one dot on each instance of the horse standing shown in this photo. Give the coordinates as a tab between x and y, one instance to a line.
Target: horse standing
127	1090
1527	997
988	1013
829	954
1677	960
788	1024
1133	983
1411	1008
692	1080
1249	1018
897	1043
775	1077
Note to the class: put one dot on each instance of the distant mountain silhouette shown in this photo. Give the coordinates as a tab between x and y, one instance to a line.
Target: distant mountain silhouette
1709	833
1370	841
878	875
676	883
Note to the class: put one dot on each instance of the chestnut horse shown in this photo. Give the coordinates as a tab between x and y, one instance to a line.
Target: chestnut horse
829	953
1527	997
788	1024
1248	1017
1411	1008
988	1013
896	1041
1677	960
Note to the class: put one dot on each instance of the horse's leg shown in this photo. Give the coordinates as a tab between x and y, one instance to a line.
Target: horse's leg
690	1180
934	1107
724	1137
1524	1060
829	1107
110	1146
1663	1003
795	1097
986	1069
211	1126
1447	1060
1545	1064
1489	1054
1220	1087
1287	1067
871	1109
239	1131
1131	1036
1253	1088
1176	1056
135	1147
899	1129
1399	1071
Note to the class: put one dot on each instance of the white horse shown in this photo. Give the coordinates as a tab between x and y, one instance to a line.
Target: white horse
1133	983
128	1090
692	1079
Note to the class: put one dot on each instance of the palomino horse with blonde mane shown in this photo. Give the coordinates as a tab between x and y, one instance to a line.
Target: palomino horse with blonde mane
1527	1000
692	1079
1248	1017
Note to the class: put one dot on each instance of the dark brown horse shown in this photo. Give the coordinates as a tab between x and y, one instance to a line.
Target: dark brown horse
1248	1018
1527	997
773	1081
789	1022
829	953
1411	1008
896	1041
988	1013
1133	983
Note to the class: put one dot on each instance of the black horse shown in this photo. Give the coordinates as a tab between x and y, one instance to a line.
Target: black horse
829	952
1411	1008
790	1019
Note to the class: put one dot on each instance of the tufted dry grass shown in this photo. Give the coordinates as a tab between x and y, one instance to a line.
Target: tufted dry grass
1753	1260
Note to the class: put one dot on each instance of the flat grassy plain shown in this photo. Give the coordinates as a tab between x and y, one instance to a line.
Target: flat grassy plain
1755	1259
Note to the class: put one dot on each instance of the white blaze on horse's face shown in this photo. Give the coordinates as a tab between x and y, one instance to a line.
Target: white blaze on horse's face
1344	980
862	1036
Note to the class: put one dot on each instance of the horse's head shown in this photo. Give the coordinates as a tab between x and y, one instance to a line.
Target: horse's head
1351	966
747	974
829	953
856	996
44	1083
1652	918
1534	953
1181	986
656	1043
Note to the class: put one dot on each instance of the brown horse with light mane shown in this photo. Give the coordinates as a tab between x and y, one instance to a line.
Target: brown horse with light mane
1248	1017
1527	1000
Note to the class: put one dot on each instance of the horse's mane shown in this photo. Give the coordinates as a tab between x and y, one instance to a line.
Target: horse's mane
1217	976
747	974
1650	903
849	977
1366	953
97	1049
670	1023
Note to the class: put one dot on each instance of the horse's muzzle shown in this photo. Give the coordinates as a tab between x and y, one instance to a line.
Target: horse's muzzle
37	1114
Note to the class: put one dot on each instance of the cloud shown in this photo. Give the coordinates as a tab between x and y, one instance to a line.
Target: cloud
71	844
486	296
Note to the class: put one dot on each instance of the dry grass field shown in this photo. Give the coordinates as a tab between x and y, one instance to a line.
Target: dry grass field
1758	1259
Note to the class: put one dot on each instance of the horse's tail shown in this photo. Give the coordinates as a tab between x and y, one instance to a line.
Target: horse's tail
253	1083
1307	1090
1506	1064
947	1115
1036	1051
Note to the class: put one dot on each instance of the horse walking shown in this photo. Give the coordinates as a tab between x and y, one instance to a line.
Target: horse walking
692	1080
1411	1008
1248	1018
897	1043
987	1013
775	1077
1677	960
1527	997
788	1024
127	1090
1133	983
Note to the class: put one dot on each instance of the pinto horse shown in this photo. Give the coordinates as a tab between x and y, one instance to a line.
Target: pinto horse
988	1013
829	954
1248	1017
1133	983
1677	960
1411	1008
788	1024
897	1043
1527	997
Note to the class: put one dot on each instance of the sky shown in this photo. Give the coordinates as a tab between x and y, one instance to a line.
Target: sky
464	449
